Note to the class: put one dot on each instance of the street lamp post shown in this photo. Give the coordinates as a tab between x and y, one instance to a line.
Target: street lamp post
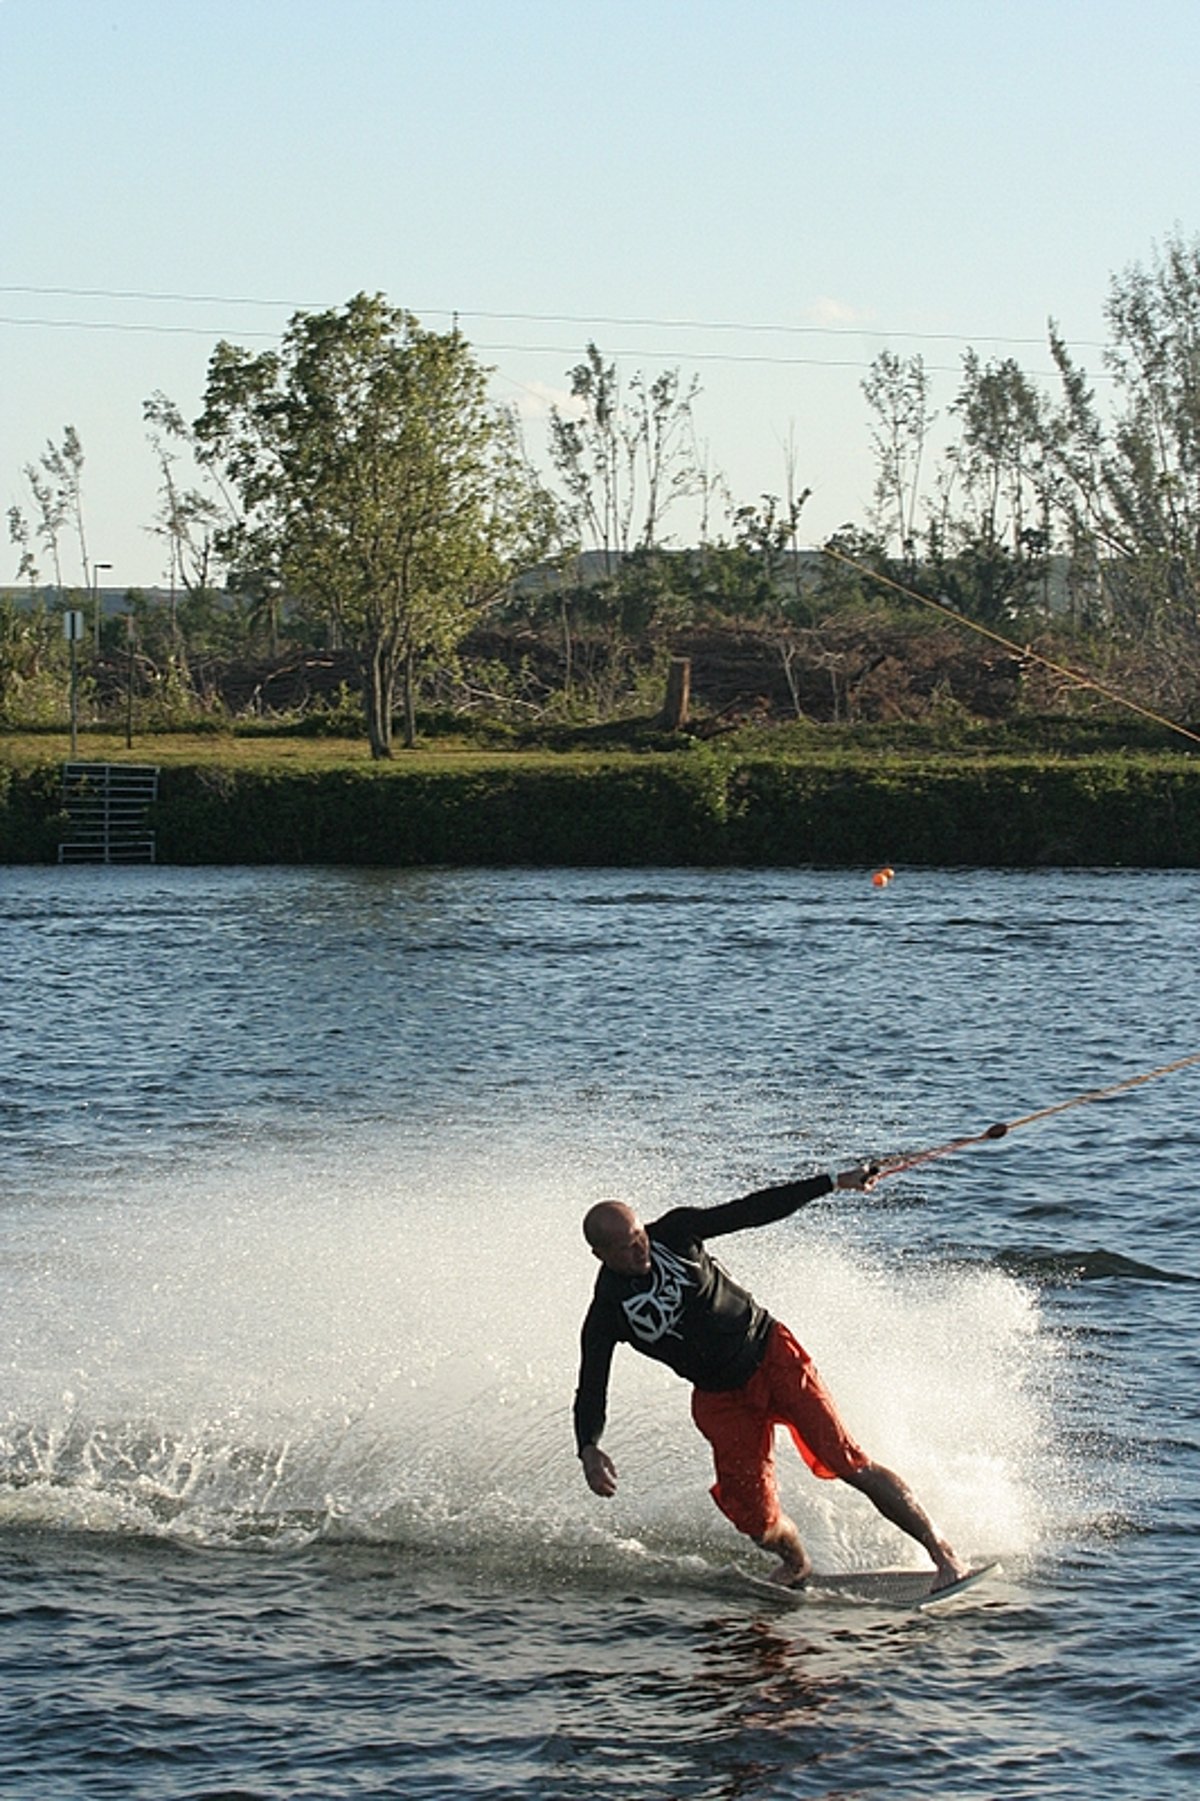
129	645
96	568
73	626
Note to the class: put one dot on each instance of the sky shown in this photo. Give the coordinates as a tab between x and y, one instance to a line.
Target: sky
762	194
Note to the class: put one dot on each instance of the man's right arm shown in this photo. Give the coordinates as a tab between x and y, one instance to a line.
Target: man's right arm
599	1471
591	1401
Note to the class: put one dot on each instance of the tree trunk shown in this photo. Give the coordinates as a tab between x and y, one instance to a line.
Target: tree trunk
567	648
679	691
379	683
410	700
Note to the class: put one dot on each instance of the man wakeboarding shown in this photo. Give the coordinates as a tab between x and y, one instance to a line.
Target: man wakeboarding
661	1292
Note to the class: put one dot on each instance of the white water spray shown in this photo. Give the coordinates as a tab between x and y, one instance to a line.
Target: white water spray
383	1348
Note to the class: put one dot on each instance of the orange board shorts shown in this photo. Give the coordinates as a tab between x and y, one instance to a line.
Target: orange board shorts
739	1424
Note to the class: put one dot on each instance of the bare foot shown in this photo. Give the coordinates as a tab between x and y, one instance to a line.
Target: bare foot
950	1567
785	1575
792	1572
795	1565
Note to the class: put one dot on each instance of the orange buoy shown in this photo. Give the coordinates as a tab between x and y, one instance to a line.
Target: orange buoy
881	878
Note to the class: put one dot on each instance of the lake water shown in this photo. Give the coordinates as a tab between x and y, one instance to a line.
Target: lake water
293	1165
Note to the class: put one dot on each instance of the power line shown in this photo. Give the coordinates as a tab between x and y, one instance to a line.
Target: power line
151	294
831	331
743	358
721	356
186	331
636	322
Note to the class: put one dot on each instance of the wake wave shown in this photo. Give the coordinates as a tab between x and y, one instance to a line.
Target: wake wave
1085	1266
385	1352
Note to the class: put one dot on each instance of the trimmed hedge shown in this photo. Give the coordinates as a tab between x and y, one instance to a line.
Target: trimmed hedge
696	806
649	810
1097	812
31	816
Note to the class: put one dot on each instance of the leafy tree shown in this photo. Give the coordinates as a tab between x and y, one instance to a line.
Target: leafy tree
842	580
20	535
63	465
767	560
989	537
31	655
56	484
897	391
378	480
188	519
623	460
1130	489
710	487
735	582
652	595
52	503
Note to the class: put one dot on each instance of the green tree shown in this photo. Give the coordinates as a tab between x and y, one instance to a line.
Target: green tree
897	391
188	519
20	535
734	583
64	465
768	537
842	582
623	457
989	536
623	460
375	476
52	502
31	658
1129	485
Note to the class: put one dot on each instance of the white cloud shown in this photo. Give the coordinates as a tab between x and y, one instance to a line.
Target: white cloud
827	311
535	399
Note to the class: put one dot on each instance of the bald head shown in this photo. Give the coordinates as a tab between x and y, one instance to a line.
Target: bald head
607	1220
617	1237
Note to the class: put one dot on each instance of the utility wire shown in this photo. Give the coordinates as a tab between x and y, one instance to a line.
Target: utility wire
638	322
185	331
734	358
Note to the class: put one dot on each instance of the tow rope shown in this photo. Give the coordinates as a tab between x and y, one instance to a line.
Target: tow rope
891	1166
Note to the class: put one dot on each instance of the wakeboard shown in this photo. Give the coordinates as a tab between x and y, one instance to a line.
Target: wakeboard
911	1589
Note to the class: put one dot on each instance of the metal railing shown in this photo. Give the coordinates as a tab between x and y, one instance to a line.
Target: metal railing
106	806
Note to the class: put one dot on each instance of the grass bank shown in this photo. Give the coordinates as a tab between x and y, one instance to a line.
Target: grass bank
296	801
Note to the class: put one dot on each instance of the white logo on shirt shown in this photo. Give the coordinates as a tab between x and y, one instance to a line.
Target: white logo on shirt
656	1313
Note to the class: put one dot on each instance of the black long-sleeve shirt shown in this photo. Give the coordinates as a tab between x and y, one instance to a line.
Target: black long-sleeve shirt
686	1312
